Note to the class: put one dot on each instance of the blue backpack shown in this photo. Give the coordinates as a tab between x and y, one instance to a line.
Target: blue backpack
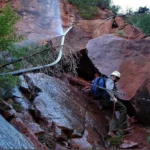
95	90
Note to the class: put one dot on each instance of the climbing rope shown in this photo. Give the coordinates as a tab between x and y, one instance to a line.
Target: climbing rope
123	94
114	92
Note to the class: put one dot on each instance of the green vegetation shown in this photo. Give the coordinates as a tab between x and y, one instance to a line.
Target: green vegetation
141	21
88	8
8	36
17	107
85	8
42	55
140	18
8	82
8	18
116	141
121	33
115	9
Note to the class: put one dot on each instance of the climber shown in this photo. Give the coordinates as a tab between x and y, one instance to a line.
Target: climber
109	100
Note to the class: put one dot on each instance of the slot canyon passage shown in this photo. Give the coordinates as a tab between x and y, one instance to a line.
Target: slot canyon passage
51	107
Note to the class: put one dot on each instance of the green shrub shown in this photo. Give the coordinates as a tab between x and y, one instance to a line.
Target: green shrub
88	8
17	107
8	36
141	21
46	55
8	51
121	33
85	8
7	83
115	9
89	12
32	56
104	3
116	141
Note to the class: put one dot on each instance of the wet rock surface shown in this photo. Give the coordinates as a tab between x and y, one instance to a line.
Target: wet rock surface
65	107
19	124
40	19
11	138
62	117
59	115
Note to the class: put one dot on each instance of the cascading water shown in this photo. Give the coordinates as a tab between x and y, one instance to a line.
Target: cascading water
40	19
47	16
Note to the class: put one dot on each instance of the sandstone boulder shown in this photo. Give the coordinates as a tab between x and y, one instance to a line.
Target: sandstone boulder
85	30
131	58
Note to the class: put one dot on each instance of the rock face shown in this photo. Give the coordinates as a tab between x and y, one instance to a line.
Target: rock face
71	113
85	30
11	138
40	19
56	116
128	31
53	109
43	21
142	103
131	58
70	15
60	116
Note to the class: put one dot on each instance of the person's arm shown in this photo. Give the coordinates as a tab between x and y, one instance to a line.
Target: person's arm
110	86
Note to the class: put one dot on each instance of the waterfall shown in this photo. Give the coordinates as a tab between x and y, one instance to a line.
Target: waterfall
41	19
48	11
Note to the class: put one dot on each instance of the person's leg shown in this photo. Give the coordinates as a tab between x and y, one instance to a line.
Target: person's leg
113	124
123	115
108	106
112	119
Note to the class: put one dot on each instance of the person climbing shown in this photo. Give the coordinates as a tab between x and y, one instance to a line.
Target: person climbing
110	103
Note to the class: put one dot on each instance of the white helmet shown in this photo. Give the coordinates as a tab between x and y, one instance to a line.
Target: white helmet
116	73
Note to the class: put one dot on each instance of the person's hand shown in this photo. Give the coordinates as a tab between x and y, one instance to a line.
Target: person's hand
115	100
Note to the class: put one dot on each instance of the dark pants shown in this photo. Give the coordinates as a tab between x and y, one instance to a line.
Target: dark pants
115	124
